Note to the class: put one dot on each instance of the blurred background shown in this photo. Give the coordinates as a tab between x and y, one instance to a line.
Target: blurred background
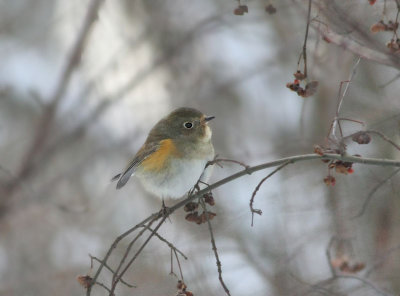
79	93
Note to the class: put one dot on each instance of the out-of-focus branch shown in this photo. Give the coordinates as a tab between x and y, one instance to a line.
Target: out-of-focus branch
372	192
45	123
363	51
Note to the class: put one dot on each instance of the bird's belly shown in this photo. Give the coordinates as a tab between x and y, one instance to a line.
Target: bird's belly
175	181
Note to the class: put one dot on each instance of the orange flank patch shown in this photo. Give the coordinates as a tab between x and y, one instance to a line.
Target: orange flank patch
157	160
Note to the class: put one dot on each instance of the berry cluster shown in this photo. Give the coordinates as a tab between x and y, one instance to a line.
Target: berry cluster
241	10
194	215
394	45
308	90
341	167
390	26
182	289
381	26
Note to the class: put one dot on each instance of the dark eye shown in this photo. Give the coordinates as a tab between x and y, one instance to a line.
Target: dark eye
188	125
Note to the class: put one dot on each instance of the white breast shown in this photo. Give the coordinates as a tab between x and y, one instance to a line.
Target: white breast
177	181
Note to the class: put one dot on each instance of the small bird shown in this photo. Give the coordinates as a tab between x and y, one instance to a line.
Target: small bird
174	156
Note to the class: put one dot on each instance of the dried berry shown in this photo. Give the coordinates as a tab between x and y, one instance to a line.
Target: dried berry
84	280
378	27
241	9
238	11
190	206
192	217
299	75
318	150
209	199
311	88
203	217
244	8
361	138
270	9
330	181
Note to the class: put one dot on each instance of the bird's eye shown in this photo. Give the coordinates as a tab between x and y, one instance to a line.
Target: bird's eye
188	125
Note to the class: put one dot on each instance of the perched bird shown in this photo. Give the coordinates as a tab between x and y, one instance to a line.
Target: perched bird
174	156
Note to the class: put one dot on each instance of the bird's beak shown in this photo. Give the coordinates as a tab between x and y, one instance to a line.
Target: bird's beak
208	118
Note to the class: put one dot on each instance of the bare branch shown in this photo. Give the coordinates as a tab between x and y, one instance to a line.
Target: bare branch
110	269
258	211
175	249
329	257
341	96
214	248
372	192
118	278
49	113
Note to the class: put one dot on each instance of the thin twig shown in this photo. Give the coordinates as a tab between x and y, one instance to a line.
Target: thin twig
380	262
372	192
258	211
341	96
103	285
218	160
110	269
305	39
328	255
128	249
175	249
179	264
118	278
214	248
154	217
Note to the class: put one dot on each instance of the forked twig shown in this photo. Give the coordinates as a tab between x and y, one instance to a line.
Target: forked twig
94	258
118	278
169	244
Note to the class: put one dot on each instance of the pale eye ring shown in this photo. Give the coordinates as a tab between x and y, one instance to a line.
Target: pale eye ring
188	124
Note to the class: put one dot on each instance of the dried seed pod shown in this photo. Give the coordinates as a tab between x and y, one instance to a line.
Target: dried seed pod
190	206
378	27
340	168
209	199
270	9
318	150
192	217
84	280
361	138
238	11
330	180
299	75
244	8
181	285
203	217
311	88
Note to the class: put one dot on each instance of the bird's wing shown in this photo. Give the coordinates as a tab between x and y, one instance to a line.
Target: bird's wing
140	156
